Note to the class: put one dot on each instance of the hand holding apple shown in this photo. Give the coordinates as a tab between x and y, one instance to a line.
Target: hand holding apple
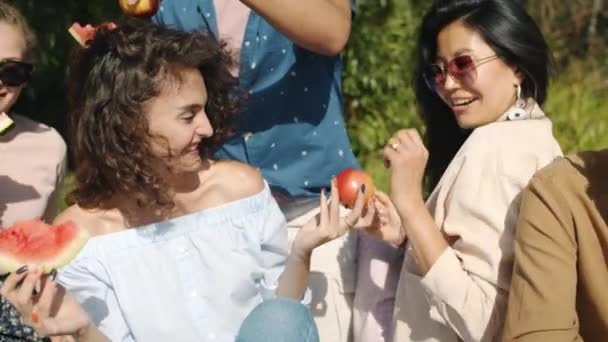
139	8
386	223
327	225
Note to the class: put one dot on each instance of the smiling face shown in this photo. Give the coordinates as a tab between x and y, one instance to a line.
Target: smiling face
12	47
177	120
485	93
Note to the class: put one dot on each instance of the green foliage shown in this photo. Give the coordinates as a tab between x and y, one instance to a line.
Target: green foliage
578	107
377	79
574	29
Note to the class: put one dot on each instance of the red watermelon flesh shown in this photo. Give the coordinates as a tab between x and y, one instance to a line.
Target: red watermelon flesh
37	243
83	34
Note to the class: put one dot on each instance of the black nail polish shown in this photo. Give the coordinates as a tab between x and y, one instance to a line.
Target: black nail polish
21	269
53	274
362	188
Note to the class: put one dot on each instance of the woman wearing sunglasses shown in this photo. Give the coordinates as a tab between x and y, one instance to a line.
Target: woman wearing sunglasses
481	78
32	155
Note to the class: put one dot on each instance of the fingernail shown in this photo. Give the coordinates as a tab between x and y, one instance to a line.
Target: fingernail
362	188
53	274
21	269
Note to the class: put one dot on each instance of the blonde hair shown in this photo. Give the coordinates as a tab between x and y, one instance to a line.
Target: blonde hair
12	16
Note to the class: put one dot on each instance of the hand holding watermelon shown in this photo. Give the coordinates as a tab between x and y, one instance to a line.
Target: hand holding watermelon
51	312
37	243
32	251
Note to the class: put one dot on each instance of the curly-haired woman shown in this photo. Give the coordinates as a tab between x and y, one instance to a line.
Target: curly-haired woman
184	247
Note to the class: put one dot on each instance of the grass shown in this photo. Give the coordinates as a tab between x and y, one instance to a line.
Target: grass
577	104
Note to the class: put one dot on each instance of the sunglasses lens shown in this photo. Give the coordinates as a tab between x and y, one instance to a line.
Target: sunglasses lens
462	66
15	74
434	76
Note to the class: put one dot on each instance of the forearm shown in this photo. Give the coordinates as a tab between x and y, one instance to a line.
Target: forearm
294	279
423	234
322	26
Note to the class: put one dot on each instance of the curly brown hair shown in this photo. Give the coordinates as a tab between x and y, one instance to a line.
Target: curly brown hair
110	81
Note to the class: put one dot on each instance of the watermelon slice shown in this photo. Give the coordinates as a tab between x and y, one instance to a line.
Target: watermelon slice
5	122
87	33
35	242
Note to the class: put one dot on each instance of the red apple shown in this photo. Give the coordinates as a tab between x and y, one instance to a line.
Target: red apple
139	8
349	183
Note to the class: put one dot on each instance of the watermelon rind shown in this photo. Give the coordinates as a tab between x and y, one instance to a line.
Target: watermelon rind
5	122
9	263
77	36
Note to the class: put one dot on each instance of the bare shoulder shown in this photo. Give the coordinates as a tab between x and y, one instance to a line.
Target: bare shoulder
238	180
95	222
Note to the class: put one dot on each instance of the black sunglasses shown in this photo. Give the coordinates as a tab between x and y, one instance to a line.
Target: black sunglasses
15	73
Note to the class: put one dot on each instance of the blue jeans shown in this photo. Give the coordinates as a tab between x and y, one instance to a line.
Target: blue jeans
279	320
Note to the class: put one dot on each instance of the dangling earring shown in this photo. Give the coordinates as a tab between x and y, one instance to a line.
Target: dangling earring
518	112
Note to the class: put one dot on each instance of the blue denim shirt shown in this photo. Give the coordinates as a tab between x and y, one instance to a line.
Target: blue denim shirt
292	128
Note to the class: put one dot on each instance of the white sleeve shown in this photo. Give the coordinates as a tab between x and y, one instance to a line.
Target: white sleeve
467	287
86	279
274	247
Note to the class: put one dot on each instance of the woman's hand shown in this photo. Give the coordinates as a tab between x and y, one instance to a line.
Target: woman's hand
406	156
327	225
386	223
50	310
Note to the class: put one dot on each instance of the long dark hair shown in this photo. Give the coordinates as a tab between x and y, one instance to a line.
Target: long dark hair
517	40
110	80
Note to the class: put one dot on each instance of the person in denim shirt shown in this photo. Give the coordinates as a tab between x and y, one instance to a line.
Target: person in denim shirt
293	128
